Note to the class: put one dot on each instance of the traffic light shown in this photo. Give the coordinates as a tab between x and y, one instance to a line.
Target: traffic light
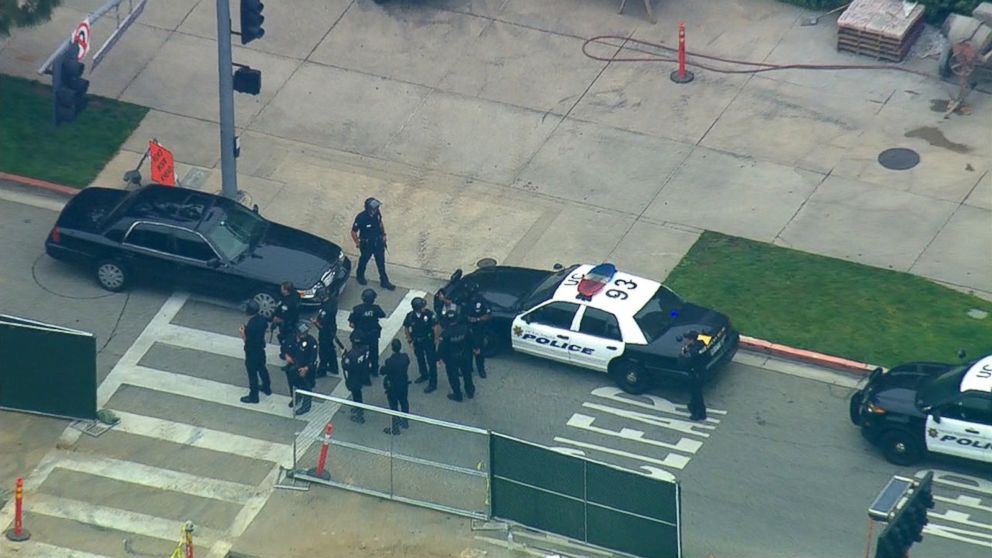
907	525
251	20
68	86
247	80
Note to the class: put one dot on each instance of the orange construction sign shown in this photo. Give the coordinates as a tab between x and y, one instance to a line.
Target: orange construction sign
163	166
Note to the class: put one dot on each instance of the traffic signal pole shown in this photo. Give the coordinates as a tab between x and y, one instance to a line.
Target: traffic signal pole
228	163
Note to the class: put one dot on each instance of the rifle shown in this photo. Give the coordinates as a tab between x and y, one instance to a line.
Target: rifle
338	342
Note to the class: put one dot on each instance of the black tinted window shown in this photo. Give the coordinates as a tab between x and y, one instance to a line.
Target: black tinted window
556	314
659	313
189	245
152	237
971	408
600	323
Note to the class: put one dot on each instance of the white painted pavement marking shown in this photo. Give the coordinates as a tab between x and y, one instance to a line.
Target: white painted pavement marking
155	477
664	422
965	501
654	403
961	535
957	480
34	549
963	528
671	460
203	390
113	518
254	504
584	422
210	342
189	435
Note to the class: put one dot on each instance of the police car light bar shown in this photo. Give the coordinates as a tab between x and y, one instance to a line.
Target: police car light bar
594	281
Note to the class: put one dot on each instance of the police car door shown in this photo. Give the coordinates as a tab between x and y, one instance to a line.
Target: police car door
545	330
596	340
964	429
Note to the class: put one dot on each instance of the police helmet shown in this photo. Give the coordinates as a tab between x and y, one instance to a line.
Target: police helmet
368	296
302	328
372	204
418	303
251	308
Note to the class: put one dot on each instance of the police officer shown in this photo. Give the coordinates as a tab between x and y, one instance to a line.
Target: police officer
456	353
692	349
364	320
421	332
369	235
478	314
301	367
396	383
286	316
253	334
327	332
356	364
442	304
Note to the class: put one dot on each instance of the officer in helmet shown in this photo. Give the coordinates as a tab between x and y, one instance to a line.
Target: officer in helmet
356	366
327	336
369	235
253	334
478	314
421	330
364	321
455	352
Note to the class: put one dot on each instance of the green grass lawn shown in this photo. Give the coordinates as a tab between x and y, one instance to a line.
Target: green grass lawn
72	154
831	306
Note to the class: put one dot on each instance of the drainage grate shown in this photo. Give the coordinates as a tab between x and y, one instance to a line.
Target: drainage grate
899	158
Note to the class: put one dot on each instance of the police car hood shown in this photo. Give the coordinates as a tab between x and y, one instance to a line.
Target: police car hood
506	283
690	317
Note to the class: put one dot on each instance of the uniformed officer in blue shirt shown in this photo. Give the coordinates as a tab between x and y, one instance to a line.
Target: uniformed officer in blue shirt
327	336
456	353
478	314
369	235
356	366
421	332
364	321
301	367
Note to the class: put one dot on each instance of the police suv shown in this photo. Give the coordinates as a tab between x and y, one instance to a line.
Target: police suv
596	317
923	407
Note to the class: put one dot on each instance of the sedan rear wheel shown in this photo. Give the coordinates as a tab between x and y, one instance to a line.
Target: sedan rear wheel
111	275
266	303
631	377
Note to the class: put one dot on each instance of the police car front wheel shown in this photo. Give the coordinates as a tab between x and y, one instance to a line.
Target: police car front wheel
901	447
631	377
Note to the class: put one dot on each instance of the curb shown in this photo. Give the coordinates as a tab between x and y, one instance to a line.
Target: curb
747	343
42	184
811	357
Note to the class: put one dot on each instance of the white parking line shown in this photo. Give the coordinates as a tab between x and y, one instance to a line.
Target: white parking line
654	420
584	422
34	549
671	460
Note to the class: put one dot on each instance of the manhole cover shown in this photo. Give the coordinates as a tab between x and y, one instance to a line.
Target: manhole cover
898	158
486	262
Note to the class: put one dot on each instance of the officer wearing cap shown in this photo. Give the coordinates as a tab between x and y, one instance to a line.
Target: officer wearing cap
692	350
420	326
396	384
327	328
364	321
369	235
455	352
253	334
286	315
301	363
478	314
444	307
356	366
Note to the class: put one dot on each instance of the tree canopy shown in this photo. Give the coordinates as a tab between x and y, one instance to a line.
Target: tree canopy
21	13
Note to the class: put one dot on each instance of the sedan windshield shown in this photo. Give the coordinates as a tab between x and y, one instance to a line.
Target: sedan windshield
546	289
232	230
942	388
658	313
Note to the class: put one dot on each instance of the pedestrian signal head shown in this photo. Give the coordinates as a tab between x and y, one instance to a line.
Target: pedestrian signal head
418	303
372	204
368	296
251	308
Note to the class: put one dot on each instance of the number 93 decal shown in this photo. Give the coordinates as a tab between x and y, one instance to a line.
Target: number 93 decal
617	293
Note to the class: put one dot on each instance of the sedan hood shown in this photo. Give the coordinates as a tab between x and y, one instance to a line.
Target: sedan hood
289	254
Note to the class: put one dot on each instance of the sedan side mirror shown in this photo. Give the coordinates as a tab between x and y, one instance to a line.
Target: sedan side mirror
935	413
255	208
213	263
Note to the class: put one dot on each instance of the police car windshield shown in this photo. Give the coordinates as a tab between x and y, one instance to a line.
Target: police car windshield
546	289
942	388
658	313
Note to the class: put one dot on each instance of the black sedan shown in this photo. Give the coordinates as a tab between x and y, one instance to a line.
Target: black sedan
195	239
598	318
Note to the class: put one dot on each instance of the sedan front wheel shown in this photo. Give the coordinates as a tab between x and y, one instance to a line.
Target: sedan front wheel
266	303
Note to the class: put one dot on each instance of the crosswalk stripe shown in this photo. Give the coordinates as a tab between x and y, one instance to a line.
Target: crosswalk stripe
211	342
114	518
155	477
202	389
205	438
34	549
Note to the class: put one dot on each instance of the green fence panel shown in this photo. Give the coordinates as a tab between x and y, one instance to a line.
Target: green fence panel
539	509
537	466
47	369
631	534
633	492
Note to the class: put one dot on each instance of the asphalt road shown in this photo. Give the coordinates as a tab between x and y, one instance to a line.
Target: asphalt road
777	471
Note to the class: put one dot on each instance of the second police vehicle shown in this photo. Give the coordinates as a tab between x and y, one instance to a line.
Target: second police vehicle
599	318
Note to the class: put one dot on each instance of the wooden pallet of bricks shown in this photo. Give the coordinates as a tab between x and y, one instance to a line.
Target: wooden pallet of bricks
881	29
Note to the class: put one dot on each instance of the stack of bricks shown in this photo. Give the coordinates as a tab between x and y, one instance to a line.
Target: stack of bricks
881	29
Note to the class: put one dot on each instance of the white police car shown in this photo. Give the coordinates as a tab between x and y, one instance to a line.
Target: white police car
923	407
596	317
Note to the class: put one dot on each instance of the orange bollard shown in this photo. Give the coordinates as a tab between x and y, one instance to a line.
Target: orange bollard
681	75
319	472
18	533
